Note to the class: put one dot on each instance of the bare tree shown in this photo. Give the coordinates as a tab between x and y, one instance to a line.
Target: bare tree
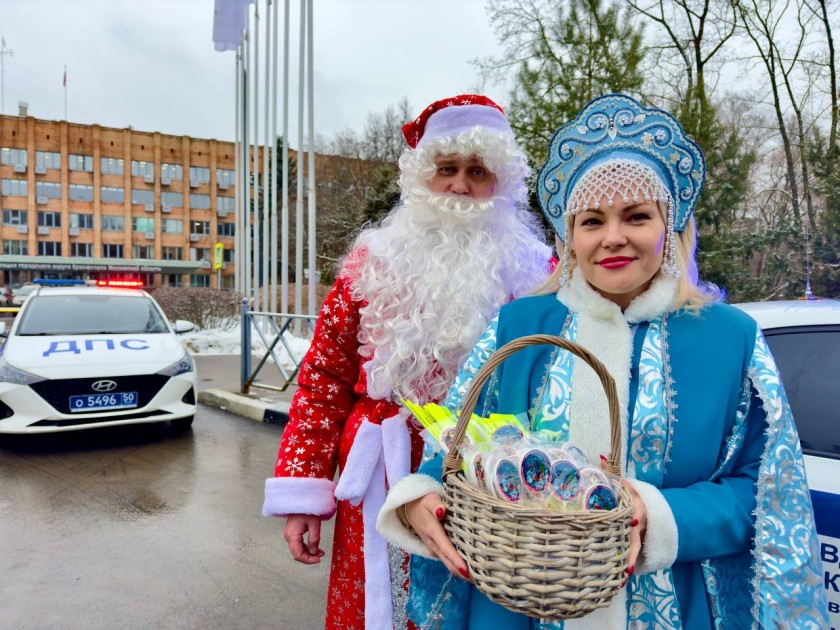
694	32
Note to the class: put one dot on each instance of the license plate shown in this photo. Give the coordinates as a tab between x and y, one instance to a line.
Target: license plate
95	402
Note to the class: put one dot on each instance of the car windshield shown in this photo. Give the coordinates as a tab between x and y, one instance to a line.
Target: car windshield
809	361
26	290
90	315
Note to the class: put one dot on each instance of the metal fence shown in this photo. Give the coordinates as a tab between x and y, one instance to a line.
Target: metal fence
271	329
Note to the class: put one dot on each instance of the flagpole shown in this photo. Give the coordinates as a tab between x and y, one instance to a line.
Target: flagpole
65	92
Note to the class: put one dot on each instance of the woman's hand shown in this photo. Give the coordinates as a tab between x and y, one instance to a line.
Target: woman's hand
638	527
306	552
425	515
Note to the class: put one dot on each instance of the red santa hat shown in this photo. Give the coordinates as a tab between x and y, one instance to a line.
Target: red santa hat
450	116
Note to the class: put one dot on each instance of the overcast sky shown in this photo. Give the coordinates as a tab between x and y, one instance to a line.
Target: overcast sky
151	63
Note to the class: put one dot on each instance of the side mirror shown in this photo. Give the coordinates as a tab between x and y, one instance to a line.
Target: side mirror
182	326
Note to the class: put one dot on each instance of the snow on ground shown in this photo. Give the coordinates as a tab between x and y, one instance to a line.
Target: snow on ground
219	341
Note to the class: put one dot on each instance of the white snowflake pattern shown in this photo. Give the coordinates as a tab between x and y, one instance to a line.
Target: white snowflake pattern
294	466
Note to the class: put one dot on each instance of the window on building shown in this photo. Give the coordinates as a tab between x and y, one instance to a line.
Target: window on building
142	224
228	282
111	194
15	217
49	219
172	226
142	169
200	227
226	229
199	253
81	221
172	199
84	250
13	157
49	248
172	253
50	190
174	172
225	176
80	192
14	188
200	202
228	255
112	250
225	204
50	160
76	162
197	280
15	248
173	280
200	174
146	252
112	222
142	197
112	166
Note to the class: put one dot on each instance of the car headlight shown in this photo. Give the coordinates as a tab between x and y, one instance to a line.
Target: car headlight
10	374
182	365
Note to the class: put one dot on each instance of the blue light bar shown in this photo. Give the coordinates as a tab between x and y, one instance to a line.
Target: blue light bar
58	282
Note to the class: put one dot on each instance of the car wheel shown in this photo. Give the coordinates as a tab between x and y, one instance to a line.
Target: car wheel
181	424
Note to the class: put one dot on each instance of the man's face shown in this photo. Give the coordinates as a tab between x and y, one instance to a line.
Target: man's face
456	174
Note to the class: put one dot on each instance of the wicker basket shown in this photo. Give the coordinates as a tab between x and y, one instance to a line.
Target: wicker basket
541	563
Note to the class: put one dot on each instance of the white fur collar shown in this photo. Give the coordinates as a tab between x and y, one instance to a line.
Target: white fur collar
580	297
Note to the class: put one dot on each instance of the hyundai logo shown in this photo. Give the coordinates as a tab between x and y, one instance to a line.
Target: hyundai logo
104	386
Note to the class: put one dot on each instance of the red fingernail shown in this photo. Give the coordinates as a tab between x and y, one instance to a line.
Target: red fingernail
439	513
634	522
631	569
603	459
464	571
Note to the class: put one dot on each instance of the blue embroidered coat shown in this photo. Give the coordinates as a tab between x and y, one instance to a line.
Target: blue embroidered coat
709	443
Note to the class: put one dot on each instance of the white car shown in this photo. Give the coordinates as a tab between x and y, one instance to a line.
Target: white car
804	337
20	294
79	357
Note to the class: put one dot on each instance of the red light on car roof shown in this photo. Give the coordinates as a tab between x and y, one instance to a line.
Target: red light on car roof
125	284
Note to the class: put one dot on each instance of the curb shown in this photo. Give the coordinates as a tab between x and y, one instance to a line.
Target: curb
237	404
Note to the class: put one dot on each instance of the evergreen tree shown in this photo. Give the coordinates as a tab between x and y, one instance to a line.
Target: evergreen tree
565	54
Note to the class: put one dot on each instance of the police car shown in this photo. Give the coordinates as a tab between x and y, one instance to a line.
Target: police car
81	356
804	337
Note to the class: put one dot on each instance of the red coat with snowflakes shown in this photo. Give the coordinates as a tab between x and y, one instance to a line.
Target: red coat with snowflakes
326	413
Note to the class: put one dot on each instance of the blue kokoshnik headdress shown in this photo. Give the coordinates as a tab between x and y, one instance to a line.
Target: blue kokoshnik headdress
626	148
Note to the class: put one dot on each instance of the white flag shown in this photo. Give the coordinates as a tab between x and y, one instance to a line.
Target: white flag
228	23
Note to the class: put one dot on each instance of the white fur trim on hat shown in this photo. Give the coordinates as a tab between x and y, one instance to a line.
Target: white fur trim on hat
406	490
299	495
662	538
451	121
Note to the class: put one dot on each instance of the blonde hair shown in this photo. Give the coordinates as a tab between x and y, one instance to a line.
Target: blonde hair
692	293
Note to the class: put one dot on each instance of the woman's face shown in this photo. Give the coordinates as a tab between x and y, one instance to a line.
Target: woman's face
456	174
619	248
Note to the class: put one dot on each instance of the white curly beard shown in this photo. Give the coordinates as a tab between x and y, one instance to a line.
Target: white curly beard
434	274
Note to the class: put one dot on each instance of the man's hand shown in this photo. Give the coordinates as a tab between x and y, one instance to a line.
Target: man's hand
307	552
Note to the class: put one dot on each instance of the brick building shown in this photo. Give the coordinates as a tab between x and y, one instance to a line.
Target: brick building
92	202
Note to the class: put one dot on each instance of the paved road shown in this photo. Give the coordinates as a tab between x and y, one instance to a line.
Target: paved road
137	528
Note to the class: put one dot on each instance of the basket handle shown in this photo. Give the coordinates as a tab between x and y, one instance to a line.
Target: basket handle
453	460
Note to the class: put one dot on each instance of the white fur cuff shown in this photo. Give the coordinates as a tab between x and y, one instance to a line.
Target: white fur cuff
299	495
661	541
389	525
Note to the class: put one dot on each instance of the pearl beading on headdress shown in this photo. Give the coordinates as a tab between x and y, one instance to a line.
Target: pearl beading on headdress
627	178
